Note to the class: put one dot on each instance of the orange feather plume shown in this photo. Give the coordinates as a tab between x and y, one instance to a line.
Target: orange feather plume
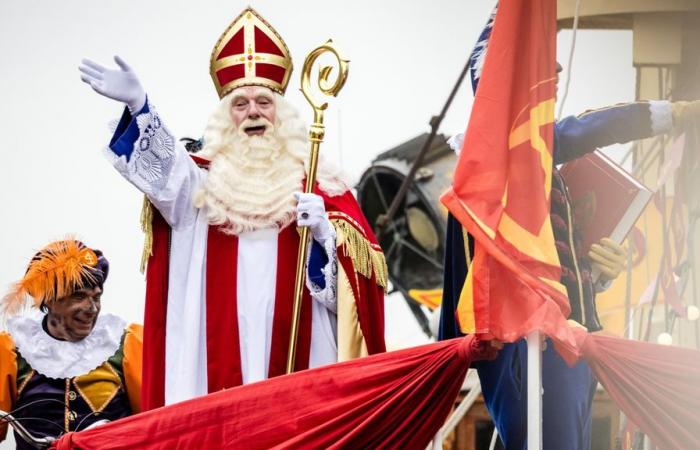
57	270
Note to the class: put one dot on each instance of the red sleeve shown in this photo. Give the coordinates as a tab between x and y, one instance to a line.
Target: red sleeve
366	259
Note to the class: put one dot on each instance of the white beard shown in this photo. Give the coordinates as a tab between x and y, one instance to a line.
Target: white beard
251	186
252	179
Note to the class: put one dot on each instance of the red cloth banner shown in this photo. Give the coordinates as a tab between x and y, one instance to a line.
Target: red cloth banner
656	386
399	400
391	400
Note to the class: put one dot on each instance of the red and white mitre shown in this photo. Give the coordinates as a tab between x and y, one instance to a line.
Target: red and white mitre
250	53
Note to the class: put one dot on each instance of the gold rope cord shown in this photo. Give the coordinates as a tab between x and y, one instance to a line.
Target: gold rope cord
147	228
367	260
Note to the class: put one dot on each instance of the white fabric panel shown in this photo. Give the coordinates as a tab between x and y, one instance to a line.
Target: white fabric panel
257	275
174	201
324	349
186	336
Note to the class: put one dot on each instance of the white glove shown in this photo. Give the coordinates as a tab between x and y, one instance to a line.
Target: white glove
311	212
118	84
609	257
456	142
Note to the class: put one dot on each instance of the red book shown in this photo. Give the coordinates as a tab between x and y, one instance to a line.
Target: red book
607	201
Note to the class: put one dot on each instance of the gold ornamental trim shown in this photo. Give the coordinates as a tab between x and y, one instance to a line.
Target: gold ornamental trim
366	259
147	228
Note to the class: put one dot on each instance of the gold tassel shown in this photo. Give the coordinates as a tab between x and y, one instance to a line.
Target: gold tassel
367	260
147	228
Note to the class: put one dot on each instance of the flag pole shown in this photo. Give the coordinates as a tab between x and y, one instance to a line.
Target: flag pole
316	134
534	391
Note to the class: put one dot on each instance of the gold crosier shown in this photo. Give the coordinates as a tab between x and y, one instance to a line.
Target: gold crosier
316	133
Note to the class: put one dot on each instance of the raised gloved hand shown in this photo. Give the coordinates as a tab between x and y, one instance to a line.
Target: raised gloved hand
608	257
118	84
685	113
311	212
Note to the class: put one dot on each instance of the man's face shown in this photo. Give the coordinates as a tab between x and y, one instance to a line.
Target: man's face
249	105
73	317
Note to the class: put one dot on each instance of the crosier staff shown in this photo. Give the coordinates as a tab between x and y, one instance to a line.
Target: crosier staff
316	134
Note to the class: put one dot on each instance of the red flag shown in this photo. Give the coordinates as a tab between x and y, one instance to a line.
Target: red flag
503	179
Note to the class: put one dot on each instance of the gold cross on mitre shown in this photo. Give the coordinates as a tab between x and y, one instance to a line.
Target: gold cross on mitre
250	53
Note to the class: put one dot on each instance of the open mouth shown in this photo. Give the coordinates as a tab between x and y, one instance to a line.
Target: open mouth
257	130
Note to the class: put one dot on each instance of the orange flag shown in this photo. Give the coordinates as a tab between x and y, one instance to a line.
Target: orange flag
502	183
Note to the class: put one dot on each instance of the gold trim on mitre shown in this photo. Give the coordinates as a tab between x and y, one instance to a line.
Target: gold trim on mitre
245	62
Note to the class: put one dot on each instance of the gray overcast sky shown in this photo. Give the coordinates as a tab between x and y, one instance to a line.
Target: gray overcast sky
405	56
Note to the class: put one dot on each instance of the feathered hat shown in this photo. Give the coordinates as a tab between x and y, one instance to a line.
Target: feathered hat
250	53
57	270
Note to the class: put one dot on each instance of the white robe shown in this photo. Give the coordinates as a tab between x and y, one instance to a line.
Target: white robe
161	168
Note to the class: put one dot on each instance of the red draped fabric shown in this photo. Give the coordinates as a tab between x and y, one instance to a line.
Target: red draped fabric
399	400
391	400
656	386
153	372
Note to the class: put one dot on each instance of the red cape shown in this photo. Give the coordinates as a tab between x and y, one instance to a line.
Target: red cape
223	353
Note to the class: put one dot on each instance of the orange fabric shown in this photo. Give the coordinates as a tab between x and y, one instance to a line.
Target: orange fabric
132	364
55	272
502	184
8	377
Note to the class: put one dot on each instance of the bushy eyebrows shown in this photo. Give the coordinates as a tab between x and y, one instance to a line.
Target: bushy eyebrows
264	95
238	97
257	95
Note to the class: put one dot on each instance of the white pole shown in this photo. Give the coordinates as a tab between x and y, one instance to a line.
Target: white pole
494	439
534	391
461	411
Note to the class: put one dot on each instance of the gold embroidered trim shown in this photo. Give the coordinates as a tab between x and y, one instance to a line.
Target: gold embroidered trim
25	382
66	408
342	216
367	258
147	228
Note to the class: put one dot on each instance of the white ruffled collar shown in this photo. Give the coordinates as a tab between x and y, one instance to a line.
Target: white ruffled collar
63	359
